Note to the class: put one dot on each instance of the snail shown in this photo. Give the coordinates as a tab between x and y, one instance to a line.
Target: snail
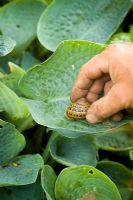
77	110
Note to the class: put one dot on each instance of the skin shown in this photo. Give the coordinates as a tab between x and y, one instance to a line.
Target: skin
111	72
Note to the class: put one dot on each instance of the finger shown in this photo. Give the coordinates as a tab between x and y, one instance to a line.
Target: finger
96	88
105	106
92	70
118	116
107	87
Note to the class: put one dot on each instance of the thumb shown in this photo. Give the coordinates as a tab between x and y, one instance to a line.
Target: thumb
105	106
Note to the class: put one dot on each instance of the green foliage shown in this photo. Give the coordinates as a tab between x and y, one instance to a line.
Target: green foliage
22	170
19	20
74	151
6	45
11	142
66	61
120	175
120	139
84	182
26	192
13	108
48	179
44	155
79	20
11	80
61	70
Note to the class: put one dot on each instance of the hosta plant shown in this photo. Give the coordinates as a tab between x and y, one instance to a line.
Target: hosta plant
43	154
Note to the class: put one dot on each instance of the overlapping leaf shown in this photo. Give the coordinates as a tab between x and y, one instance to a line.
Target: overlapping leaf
11	142
6	45
89	20
22	170
13	109
26	192
50	83
18	20
12	79
74	151
120	175
120	139
85	182
48	178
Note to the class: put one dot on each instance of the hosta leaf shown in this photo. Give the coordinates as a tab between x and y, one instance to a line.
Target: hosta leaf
28	60
85	182
12	79
89	20
48	178
12	108
22	170
120	175
74	151
18	19
56	75
11	142
6	45
120	37
28	192
50	83
120	139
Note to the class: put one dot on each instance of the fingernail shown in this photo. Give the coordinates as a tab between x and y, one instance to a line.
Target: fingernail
92	118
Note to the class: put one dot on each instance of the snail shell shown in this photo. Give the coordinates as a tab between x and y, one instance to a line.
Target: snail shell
77	110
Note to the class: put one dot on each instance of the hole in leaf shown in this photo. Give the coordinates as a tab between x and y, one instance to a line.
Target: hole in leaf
17	25
91	171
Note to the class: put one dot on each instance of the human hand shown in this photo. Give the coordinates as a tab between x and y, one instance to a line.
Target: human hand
111	72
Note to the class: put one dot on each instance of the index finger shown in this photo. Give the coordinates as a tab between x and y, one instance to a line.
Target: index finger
94	69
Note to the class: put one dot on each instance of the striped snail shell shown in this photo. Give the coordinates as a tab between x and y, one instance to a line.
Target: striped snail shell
77	110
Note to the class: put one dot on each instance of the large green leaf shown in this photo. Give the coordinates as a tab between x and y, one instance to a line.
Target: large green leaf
74	151
85	182
22	170
6	45
50	83
120	175
11	142
89	20
48	178
18	20
120	139
13	108
28	192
